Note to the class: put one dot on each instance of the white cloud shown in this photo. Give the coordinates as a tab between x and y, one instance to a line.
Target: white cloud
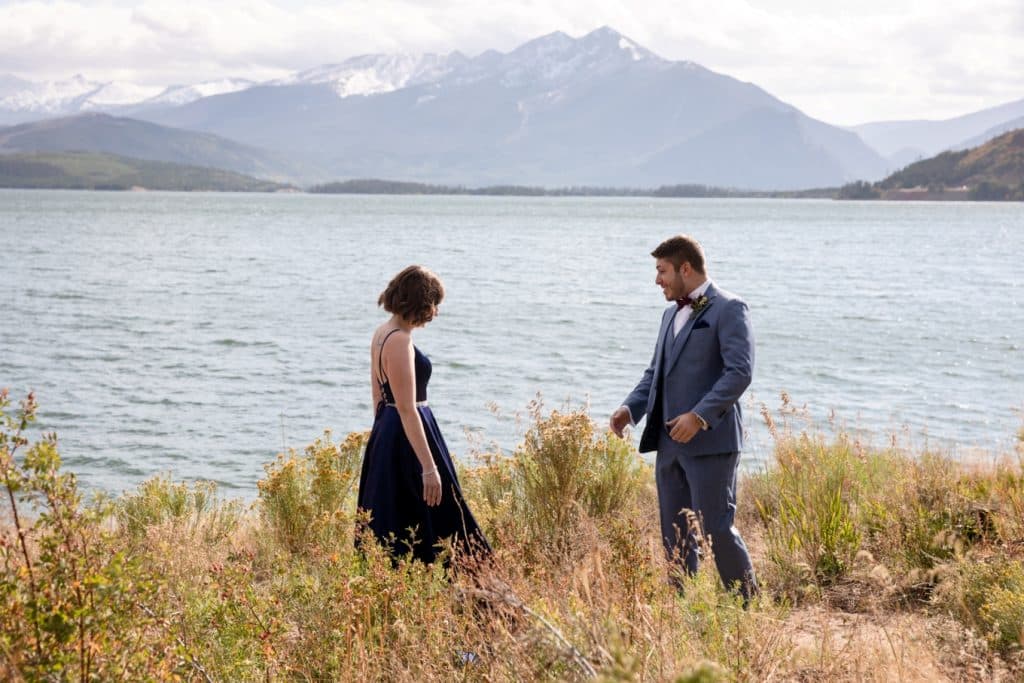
841	62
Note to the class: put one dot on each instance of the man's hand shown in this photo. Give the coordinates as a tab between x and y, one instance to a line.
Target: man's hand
684	427
620	418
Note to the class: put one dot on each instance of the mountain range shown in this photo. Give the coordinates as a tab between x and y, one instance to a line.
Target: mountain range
124	137
23	101
903	142
557	111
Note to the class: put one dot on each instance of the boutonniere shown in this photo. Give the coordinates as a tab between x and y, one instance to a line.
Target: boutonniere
699	305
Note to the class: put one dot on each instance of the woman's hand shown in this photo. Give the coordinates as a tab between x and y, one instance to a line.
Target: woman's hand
432	486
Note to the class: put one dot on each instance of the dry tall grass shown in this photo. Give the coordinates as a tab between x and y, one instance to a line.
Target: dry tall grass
874	564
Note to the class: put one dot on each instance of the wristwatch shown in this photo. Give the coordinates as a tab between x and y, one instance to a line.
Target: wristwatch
704	426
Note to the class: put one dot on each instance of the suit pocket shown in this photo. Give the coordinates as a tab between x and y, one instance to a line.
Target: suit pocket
701	325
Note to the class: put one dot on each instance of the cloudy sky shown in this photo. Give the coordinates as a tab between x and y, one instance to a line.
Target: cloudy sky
844	62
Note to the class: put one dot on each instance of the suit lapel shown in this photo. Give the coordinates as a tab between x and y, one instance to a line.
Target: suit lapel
659	351
684	334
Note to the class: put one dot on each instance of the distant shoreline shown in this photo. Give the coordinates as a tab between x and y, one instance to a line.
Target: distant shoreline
852	192
395	187
672	192
111	173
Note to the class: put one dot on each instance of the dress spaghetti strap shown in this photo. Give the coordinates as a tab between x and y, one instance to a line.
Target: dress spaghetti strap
382	378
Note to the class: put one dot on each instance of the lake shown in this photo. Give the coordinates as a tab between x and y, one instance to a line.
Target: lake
201	334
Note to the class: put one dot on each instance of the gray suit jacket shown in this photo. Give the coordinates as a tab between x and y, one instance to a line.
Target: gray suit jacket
707	367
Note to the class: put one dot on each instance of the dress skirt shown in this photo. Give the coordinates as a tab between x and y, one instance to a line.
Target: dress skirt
391	490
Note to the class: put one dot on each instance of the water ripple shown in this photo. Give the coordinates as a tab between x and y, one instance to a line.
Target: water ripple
208	351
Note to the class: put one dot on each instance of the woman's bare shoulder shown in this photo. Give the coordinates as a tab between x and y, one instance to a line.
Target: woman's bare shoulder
386	338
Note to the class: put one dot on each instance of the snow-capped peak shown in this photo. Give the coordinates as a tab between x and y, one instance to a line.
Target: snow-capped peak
49	96
115	94
557	57
609	40
631	48
552	60
79	94
375	74
183	94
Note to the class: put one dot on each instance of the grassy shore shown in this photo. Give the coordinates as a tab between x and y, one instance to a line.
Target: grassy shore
875	564
98	171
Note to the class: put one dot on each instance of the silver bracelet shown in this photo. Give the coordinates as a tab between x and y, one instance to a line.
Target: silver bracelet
426	472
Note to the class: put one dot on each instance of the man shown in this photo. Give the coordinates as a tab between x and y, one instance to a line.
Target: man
703	362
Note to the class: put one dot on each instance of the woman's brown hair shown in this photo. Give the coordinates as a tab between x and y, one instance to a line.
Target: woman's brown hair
413	294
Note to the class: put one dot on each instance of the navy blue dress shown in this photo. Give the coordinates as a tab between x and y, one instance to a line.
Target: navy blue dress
391	482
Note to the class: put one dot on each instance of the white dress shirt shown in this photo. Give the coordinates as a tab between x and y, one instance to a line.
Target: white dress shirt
684	313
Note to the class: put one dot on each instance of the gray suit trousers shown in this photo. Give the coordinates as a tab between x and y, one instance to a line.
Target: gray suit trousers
705	485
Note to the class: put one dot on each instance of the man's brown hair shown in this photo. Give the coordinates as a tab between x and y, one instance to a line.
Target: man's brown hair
412	295
681	249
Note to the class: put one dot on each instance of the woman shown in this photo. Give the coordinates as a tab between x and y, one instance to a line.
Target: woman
408	482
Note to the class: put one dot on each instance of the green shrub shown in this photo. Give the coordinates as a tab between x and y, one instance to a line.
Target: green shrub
194	509
821	501
565	469
562	474
490	487
989	597
808	505
307	499
705	672
927	510
73	605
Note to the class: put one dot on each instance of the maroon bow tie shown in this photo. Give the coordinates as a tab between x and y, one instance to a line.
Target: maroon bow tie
684	302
